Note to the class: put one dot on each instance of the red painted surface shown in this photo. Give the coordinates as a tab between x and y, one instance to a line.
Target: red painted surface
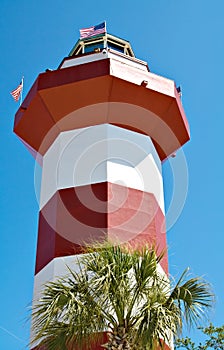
96	345
50	106
77	216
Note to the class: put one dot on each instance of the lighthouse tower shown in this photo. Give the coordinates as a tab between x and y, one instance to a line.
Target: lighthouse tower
100	126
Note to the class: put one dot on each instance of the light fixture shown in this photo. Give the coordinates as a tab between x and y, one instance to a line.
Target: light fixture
144	83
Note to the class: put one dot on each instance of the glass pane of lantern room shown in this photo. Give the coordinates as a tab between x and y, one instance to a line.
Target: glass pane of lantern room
92	47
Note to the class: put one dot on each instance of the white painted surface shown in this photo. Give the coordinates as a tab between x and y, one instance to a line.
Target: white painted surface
55	269
98	154
76	61
107	53
120	69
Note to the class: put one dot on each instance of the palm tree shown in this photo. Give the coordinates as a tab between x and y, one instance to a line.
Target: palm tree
123	294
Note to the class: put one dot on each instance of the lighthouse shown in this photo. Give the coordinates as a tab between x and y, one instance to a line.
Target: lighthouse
100	126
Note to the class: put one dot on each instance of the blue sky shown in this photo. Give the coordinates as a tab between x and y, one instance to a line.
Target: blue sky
182	40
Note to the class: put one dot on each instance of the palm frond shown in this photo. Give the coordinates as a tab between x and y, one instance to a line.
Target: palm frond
194	298
119	291
67	307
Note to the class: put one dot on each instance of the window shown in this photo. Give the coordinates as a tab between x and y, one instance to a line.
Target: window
115	46
92	47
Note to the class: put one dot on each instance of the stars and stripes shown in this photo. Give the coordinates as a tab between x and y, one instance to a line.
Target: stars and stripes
92	31
16	93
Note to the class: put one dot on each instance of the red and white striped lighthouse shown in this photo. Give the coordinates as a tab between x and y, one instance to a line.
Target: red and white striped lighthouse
100	126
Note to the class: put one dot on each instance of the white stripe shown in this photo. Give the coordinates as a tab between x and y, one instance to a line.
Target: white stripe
98	154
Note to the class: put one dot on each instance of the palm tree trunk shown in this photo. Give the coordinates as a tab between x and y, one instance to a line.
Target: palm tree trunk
117	340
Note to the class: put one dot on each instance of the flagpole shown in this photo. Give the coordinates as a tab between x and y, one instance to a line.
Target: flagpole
105	27
21	95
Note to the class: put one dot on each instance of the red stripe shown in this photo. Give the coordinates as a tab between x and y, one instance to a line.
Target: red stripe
87	32
114	212
16	93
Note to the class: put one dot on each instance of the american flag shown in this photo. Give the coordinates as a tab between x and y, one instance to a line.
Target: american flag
17	92
94	30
